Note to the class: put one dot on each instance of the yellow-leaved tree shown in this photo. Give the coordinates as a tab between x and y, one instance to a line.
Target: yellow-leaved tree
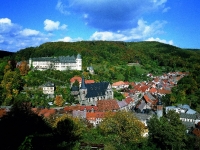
78	125
59	100
122	127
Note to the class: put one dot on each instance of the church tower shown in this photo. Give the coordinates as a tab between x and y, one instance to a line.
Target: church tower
159	108
78	62
83	92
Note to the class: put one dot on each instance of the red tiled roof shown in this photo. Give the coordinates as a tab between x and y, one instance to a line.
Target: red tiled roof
71	108
137	87
144	88
94	115
126	83
79	79
165	80
90	116
89	81
126	94
107	105
147	99
100	114
118	83
88	108
128	100
46	112
163	91
153	90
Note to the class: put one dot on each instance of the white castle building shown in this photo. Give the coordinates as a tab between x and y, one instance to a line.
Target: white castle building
57	63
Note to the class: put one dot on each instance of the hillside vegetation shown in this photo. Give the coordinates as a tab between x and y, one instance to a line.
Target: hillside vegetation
149	54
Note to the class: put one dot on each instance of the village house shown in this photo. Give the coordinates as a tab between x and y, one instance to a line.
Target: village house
48	89
107	105
122	105
95	117
120	85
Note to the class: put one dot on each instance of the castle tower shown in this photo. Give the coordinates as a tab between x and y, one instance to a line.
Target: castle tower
83	92
78	62
159	108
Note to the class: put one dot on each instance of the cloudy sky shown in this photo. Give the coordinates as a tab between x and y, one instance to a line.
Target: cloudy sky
25	23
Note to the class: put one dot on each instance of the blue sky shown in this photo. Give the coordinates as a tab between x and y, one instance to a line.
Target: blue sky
31	23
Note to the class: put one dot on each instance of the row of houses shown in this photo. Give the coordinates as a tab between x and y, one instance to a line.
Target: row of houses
93	114
142	97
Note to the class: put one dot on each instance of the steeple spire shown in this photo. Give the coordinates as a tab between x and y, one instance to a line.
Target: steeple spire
83	83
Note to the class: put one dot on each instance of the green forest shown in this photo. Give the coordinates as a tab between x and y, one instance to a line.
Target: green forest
112	61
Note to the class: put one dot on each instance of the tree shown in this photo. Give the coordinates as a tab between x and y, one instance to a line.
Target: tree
76	83
167	132
19	123
118	96
12	84
23	68
121	128
59	100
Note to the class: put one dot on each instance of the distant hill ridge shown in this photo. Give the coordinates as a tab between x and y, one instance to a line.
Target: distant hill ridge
5	53
115	52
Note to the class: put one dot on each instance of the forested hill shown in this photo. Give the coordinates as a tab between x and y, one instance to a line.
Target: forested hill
94	52
5	53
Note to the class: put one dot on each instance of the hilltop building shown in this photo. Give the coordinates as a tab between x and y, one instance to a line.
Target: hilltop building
89	94
57	63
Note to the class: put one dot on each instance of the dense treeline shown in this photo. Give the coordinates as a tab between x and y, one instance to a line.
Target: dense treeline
149	54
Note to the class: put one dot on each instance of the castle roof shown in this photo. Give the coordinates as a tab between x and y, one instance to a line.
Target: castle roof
60	59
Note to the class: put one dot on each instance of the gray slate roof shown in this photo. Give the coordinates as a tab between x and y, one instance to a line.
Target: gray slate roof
122	103
96	89
79	114
60	59
49	84
188	116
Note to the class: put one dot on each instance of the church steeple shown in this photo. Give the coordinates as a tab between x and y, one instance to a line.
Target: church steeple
159	108
83	92
83	83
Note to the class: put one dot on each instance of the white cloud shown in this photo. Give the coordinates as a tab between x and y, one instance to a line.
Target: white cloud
110	15
62	8
141	32
29	32
13	37
69	39
50	25
166	9
5	21
160	40
108	36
